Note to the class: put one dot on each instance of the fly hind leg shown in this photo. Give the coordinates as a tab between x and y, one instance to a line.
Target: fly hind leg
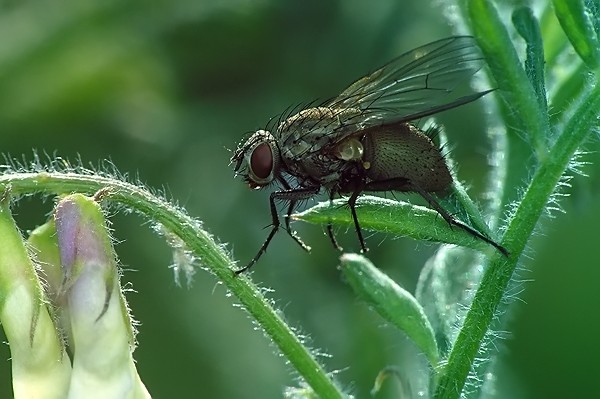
451	220
405	185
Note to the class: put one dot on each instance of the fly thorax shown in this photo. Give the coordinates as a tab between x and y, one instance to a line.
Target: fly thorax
313	129
306	133
296	146
308	140
319	117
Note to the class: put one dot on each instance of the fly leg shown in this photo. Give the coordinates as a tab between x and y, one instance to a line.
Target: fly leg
403	184
352	205
371	186
293	196
289	230
352	182
288	215
330	227
453	221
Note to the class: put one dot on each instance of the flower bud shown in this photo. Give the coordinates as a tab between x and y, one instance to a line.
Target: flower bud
102	333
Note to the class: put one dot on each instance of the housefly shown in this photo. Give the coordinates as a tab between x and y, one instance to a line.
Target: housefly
365	139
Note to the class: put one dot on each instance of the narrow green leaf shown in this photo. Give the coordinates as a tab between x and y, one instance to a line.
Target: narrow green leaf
555	39
577	24
514	86
460	201
392	217
391	301
529	29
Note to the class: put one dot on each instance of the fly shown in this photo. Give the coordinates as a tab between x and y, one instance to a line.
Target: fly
363	139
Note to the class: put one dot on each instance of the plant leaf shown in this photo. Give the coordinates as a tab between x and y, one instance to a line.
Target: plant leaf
391	301
529	29
580	29
392	217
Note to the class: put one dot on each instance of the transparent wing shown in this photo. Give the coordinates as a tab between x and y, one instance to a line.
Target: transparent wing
419	83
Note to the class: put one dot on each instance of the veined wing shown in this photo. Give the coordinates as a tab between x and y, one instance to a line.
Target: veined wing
419	83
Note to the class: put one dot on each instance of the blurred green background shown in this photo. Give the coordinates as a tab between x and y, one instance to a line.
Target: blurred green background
164	89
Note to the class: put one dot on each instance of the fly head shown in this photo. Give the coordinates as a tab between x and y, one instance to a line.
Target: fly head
257	159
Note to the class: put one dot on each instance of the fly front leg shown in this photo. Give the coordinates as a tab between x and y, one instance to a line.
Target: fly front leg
288	228
288	215
293	196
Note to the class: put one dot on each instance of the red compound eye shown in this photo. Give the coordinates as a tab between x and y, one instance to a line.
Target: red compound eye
261	161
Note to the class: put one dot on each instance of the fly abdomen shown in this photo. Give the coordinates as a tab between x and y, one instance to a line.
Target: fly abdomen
402	150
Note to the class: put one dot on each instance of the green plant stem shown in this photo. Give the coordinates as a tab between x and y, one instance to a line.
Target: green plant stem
210	253
496	278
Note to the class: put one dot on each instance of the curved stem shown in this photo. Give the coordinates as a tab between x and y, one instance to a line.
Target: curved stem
205	248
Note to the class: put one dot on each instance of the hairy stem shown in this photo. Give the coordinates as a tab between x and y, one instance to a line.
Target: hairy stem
497	276
210	253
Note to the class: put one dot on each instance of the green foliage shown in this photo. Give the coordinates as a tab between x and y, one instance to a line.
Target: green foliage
392	302
107	58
